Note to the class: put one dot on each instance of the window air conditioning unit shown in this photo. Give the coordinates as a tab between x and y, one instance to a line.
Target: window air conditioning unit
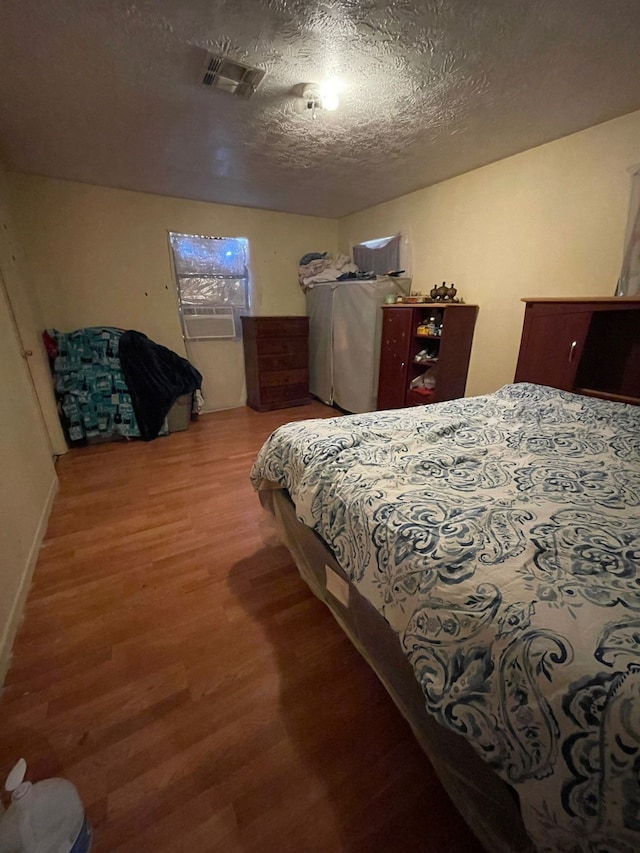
208	323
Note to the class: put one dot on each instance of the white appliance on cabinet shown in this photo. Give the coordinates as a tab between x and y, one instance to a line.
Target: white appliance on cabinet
345	325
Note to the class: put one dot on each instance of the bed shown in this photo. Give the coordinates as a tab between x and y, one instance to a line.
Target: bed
484	556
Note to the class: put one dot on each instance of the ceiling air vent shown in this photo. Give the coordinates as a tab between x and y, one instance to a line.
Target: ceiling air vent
220	72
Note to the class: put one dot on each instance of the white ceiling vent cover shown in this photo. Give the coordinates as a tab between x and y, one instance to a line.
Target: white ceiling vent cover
220	72
208	323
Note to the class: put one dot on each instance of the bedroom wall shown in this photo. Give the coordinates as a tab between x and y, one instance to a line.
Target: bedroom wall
28	475
547	222
100	256
28	317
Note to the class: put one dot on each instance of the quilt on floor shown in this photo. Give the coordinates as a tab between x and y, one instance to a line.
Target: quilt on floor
90	386
500	538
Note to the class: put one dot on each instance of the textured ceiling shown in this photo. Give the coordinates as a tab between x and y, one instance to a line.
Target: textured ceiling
108	92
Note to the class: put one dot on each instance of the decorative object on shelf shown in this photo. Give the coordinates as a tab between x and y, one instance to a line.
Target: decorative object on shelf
444	293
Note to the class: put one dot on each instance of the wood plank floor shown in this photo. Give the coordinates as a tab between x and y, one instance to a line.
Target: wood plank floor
180	673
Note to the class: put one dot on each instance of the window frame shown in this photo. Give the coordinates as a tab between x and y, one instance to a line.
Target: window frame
214	308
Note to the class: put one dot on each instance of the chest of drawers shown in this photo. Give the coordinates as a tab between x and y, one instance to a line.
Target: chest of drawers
276	360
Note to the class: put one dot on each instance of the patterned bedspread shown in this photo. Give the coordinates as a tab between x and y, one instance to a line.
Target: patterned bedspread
500	538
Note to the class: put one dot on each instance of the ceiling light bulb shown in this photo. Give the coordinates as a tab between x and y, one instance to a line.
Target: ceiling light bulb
330	101
330	93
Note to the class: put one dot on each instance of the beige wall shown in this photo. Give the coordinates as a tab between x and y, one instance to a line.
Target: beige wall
28	318
550	221
28	475
100	257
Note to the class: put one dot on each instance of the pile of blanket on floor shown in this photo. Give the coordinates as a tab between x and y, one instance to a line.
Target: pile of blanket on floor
109	382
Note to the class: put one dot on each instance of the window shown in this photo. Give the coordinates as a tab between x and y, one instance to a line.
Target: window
379	256
212	277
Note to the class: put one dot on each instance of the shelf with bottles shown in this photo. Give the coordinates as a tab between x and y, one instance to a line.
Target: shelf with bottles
430	324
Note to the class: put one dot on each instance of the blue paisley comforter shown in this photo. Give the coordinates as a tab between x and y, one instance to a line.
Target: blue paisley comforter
500	538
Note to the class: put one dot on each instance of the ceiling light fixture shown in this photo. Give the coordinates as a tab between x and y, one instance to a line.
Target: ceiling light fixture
322	96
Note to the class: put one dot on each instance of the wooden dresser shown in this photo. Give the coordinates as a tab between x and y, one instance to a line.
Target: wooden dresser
588	346
276	360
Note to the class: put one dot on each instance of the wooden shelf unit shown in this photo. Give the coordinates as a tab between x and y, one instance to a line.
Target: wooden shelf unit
401	343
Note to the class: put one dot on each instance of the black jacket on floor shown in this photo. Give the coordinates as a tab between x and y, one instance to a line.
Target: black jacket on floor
156	377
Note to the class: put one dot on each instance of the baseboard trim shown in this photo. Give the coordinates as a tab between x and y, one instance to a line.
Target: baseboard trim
8	636
225	408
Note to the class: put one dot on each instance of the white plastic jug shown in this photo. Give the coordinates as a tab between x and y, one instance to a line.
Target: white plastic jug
47	817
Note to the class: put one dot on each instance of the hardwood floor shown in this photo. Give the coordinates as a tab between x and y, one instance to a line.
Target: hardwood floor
182	675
